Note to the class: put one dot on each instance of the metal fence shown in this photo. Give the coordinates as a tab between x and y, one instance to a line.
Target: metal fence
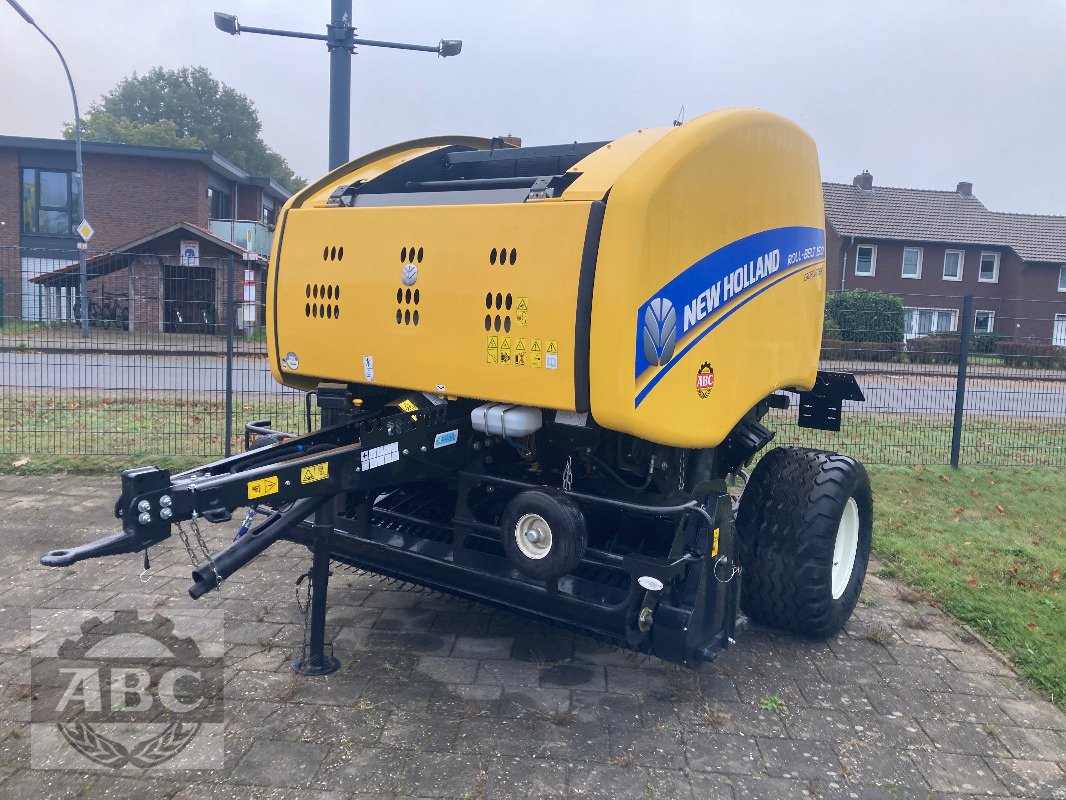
175	364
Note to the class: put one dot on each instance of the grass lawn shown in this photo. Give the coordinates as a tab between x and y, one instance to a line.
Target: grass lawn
926	439
989	545
94	434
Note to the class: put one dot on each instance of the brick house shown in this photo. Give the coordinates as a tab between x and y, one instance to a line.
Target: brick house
932	247
131	191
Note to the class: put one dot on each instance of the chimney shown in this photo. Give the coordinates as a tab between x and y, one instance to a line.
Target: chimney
964	189
864	181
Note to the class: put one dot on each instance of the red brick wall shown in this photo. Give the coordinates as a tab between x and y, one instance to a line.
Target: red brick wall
248	202
1025	299
126	198
10	263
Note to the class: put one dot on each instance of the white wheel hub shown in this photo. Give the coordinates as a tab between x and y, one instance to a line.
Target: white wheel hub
534	536
847	545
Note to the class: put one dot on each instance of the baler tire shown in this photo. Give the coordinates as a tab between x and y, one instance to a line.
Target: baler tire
788	524
568	536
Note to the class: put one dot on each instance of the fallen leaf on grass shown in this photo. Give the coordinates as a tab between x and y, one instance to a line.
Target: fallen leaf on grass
1031	626
971	581
1000	509
1055	575
945	478
20	463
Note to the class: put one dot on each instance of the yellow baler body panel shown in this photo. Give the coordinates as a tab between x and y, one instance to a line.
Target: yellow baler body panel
732	196
707	286
520	351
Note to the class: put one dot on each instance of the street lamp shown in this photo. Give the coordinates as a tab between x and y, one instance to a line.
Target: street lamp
341	42
83	279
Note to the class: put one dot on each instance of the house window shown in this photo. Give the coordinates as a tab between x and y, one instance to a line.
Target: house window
49	202
984	321
989	268
267	217
1058	336
953	265
926	321
912	262
865	259
220	203
1062	278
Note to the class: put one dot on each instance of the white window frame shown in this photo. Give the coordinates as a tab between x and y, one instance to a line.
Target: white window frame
995	272
962	258
1060	319
873	261
910	330
1062	278
991	321
916	276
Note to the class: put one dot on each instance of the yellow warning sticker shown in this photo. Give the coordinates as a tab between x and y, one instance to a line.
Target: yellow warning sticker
535	346
522	318
536	359
520	358
494	342
318	472
505	343
714	543
491	357
520	344
262	487
552	346
405	405
523	304
505	353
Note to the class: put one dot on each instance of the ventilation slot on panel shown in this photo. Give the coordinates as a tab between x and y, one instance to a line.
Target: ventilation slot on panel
333	252
498	302
503	256
322	301
407	300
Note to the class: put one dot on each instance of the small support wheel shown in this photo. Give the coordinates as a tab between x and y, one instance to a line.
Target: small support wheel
544	533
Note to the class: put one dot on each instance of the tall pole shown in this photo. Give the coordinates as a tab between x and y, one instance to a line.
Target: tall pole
78	182
341	40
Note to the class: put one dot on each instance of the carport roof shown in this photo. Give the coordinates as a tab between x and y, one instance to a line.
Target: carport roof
119	258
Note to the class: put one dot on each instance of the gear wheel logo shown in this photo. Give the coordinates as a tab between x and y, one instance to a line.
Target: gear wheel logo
128	693
660	331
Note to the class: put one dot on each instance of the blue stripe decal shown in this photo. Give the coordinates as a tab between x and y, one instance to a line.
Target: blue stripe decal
736	273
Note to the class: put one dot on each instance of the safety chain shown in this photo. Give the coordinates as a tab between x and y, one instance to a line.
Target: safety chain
194	523
568	474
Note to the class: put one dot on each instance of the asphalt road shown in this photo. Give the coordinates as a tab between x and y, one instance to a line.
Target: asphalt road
190	375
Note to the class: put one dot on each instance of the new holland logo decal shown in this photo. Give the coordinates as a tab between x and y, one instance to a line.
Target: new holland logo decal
675	318
660	331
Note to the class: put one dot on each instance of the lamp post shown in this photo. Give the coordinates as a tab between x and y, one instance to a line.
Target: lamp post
341	42
83	278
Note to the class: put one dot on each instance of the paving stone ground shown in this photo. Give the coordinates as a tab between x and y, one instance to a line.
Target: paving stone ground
439	699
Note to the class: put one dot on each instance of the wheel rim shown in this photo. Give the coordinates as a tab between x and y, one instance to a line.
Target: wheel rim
534	536
847	545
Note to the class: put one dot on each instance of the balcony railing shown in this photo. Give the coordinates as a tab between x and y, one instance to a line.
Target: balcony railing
254	237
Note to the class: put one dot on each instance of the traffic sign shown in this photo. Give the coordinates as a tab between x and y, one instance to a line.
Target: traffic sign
85	230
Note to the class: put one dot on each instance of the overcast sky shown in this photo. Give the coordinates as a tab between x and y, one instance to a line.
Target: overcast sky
923	94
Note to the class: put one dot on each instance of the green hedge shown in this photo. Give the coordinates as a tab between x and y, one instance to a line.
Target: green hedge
1032	354
861	316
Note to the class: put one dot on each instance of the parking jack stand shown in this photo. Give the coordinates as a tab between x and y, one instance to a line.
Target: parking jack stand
317	656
